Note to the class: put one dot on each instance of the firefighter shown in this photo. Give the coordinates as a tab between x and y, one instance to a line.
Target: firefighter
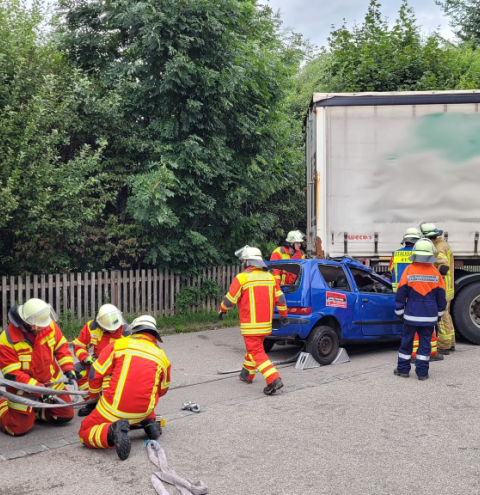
420	303
140	376
446	267
33	351
289	250
399	261
256	291
107	327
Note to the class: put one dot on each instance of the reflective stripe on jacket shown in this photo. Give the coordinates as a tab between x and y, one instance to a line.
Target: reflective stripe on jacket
93	336
445	257
140	375
33	360
400	260
420	296
256	292
283	277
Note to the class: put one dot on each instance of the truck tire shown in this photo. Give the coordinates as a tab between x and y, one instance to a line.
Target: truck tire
466	313
323	344
268	344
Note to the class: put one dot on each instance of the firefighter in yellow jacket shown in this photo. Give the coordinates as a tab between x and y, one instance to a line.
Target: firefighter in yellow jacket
446	266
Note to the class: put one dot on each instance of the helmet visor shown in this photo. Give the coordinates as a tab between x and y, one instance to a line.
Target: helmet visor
41	319
111	321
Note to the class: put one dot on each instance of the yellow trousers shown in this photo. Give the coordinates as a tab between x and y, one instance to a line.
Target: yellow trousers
446	331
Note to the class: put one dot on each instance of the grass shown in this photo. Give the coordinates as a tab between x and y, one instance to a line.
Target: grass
179	323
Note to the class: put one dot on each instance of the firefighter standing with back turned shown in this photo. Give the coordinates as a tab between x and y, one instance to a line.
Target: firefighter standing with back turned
446	266
400	260
33	351
140	376
256	292
420	302
107	327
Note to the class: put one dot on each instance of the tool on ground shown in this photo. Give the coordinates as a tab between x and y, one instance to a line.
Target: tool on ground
191	406
157	456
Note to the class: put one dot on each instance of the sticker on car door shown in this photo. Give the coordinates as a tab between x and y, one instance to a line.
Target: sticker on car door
336	300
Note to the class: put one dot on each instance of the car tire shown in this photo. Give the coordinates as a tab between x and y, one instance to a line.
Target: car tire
466	312
268	344
323	344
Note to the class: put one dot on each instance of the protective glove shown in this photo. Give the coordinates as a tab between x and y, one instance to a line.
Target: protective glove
88	360
443	269
440	319
399	317
47	399
284	321
71	377
220	315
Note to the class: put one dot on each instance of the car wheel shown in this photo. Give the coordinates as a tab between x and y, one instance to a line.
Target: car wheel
466	313
323	344
268	344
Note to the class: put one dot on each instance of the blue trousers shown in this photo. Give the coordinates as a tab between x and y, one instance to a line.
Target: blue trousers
422	362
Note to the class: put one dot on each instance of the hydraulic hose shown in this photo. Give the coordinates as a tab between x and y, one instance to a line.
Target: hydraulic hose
37	403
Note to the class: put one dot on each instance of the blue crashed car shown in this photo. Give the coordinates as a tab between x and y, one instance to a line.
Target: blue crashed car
331	302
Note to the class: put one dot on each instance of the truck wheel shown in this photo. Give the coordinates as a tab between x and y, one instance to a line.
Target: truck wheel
323	344
268	344
466	313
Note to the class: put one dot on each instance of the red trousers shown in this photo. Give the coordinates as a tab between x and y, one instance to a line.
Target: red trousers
256	358
17	423
94	430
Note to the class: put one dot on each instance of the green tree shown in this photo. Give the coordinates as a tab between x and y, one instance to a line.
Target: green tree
207	149
465	18
50	179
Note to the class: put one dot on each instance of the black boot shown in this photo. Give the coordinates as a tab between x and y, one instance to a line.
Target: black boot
438	357
244	374
445	352
273	387
152	429
86	410
118	436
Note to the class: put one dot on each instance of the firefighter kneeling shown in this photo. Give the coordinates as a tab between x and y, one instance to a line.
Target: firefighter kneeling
255	290
140	376
33	351
420	302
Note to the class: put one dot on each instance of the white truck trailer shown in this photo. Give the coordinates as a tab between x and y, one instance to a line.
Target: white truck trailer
378	163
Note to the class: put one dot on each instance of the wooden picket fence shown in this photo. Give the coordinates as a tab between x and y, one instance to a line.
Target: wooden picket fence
79	295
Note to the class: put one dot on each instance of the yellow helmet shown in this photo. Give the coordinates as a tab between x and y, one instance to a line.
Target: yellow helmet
36	312
423	252
252	255
411	235
430	230
109	317
295	236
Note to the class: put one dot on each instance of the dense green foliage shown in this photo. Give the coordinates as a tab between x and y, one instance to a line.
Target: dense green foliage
465	18
168	133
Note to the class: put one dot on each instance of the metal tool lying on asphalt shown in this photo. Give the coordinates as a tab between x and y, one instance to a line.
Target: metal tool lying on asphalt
191	406
156	454
35	399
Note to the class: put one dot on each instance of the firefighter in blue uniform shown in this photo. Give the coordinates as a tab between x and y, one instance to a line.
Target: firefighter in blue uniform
420	302
399	261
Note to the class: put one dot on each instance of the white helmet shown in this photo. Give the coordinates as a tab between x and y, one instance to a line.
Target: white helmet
145	322
423	251
430	230
252	255
36	313
411	235
109	317
295	236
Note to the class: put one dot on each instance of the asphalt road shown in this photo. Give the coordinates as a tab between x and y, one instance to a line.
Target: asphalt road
352	428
